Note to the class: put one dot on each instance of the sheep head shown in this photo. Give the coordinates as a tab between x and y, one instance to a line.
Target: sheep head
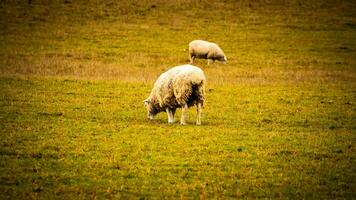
223	59
151	111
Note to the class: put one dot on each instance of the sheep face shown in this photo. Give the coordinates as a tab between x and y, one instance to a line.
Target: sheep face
151	111
223	59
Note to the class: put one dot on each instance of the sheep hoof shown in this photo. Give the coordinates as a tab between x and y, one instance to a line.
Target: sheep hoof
183	123
198	124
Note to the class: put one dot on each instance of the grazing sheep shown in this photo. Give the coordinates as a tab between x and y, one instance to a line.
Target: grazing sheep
181	86
206	50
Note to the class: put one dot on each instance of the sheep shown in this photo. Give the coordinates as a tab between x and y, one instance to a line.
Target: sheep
182	86
206	50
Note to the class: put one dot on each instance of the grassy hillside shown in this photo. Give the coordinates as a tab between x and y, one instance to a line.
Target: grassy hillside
279	121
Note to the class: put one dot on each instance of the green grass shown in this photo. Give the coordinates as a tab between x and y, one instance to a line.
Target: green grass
64	138
279	121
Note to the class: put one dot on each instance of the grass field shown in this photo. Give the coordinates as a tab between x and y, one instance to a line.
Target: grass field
279	121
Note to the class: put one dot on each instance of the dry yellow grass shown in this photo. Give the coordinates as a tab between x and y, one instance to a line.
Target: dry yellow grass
265	41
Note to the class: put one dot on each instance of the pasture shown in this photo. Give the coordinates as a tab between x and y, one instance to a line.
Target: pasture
279	119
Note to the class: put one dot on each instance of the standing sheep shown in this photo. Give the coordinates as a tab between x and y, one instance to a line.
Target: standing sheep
206	50
181	86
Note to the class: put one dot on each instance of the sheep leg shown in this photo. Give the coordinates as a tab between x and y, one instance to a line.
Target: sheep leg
210	61
184	113
170	116
192	58
198	113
